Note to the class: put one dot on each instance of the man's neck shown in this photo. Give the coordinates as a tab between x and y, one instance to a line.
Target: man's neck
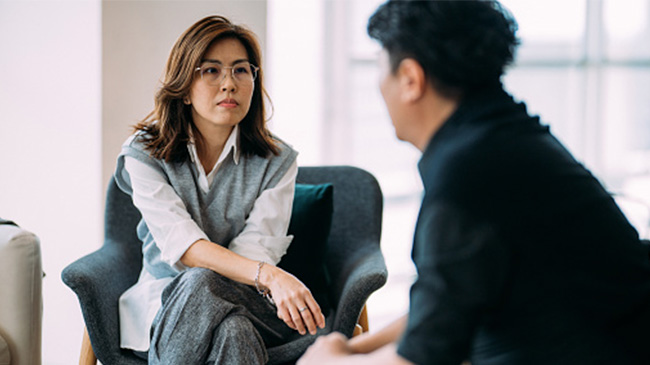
435	110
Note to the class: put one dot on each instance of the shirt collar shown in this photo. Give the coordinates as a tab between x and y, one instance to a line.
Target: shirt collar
473	106
476	107
232	143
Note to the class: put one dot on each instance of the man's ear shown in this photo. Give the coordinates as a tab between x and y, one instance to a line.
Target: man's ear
412	80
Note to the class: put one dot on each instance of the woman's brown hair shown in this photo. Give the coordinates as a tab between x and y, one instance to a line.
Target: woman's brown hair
167	128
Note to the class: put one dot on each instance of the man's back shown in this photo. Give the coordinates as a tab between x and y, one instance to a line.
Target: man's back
522	255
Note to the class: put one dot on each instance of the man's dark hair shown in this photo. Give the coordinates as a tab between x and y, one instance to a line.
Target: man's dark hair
461	45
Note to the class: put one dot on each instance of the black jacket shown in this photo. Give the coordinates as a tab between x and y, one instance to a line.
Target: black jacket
522	256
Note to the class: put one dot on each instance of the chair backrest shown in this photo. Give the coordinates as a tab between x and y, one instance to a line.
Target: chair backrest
121	218
356	222
354	238
357	217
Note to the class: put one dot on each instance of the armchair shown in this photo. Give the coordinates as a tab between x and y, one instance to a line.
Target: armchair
353	260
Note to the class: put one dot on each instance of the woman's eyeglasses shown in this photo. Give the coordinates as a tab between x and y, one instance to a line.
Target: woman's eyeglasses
243	73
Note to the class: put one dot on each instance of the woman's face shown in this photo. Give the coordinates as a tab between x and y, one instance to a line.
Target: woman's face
219	100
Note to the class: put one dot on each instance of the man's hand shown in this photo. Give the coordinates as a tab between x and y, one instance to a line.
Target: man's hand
330	349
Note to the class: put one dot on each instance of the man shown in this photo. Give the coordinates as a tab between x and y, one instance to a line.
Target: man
522	256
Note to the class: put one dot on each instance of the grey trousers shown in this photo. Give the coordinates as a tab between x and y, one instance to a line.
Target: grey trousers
209	319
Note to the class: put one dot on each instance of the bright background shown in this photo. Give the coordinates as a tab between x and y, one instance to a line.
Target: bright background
74	75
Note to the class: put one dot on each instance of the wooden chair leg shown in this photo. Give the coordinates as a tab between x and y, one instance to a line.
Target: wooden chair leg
363	319
87	354
362	323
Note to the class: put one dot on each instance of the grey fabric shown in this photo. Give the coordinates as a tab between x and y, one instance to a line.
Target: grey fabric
222	212
237	342
354	261
101	277
5	355
204	313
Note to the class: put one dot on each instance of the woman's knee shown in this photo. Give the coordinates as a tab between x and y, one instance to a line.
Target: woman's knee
236	326
191	282
197	276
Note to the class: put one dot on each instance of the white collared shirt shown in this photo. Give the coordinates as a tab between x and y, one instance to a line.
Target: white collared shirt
263	238
205	180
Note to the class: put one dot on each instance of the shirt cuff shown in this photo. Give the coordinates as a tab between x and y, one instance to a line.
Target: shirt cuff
261	248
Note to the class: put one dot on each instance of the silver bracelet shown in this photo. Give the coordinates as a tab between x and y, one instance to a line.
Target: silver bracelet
264	292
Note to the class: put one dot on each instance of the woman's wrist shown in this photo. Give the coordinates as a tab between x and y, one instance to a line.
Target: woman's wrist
262	290
267	273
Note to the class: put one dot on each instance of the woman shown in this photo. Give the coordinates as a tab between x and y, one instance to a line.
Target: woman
215	191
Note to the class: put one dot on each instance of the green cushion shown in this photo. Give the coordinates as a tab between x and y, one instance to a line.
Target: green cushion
310	224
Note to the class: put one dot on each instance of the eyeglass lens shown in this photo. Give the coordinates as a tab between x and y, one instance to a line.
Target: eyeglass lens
215	73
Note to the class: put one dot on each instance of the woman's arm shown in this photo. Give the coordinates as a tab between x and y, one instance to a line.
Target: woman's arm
264	236
183	244
289	294
264	239
165	214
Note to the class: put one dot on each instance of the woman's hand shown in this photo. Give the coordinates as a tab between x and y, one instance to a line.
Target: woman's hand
296	306
295	303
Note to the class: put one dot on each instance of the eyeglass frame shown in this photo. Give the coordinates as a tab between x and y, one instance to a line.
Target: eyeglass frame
255	69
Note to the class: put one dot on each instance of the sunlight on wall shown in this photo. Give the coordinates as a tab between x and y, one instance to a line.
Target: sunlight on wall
50	147
294	57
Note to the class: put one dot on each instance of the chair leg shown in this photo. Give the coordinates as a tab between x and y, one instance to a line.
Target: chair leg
363	319
362	323
357	330
87	354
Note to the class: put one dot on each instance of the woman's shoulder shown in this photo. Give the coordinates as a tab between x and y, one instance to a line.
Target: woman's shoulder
137	140
136	146
273	163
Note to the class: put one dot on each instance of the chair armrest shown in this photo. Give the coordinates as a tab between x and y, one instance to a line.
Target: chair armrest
99	279
108	271
362	276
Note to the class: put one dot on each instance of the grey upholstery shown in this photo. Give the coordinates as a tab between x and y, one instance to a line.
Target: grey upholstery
354	261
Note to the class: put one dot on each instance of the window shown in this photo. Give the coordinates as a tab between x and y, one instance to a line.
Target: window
583	66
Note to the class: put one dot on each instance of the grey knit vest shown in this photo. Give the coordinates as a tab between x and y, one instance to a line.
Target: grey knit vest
221	213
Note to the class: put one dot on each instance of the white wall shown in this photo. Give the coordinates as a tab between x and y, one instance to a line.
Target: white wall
74	75
295	81
50	146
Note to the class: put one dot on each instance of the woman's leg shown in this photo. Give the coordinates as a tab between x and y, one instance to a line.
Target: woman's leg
195	304
236	342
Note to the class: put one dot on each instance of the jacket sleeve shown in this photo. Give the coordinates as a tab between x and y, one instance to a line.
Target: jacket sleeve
462	266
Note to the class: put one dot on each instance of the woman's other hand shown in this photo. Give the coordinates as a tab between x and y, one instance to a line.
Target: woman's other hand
295	303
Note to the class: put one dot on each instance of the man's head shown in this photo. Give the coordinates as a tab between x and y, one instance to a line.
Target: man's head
434	53
461	45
